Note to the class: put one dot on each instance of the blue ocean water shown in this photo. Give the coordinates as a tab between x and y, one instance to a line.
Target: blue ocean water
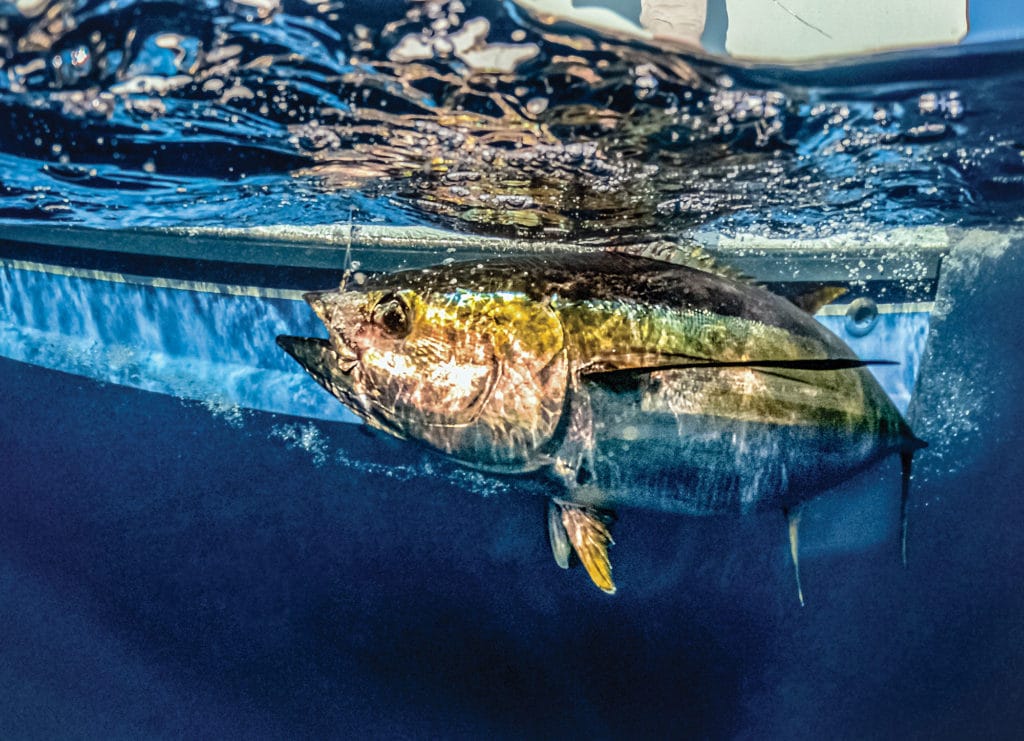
176	563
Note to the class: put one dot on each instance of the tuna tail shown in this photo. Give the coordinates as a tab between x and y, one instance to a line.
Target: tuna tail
911	445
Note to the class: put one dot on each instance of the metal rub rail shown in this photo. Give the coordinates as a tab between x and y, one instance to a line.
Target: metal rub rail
912	253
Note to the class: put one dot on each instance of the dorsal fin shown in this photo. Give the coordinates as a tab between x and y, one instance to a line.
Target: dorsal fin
693	255
812	301
689	254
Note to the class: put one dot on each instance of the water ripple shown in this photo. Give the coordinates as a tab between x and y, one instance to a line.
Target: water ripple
481	116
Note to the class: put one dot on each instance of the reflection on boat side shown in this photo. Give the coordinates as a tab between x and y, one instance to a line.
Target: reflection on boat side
207	343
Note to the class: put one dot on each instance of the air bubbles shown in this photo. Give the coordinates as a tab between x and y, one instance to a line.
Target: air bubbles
255	9
71	65
949	104
927	132
645	84
954	106
536	106
79	57
362	40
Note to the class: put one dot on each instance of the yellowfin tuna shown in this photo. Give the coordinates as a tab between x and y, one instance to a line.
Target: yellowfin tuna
636	378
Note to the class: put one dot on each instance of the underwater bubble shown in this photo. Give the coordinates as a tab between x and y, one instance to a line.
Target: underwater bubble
305	437
536	106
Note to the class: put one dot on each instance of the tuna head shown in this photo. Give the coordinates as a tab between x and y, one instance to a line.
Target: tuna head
479	376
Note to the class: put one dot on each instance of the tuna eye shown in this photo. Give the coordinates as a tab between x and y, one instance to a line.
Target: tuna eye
392	316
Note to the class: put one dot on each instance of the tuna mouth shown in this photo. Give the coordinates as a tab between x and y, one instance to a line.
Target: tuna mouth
320	358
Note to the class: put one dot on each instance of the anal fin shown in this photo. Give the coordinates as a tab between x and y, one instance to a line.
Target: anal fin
793	520
587	530
906	460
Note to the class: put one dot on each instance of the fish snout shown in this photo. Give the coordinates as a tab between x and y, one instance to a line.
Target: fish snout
318	301
334	312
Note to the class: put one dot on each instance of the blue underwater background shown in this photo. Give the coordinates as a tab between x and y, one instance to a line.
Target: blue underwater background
176	562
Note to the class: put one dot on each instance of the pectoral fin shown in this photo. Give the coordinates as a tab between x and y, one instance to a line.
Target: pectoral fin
667	362
587	531
561	548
